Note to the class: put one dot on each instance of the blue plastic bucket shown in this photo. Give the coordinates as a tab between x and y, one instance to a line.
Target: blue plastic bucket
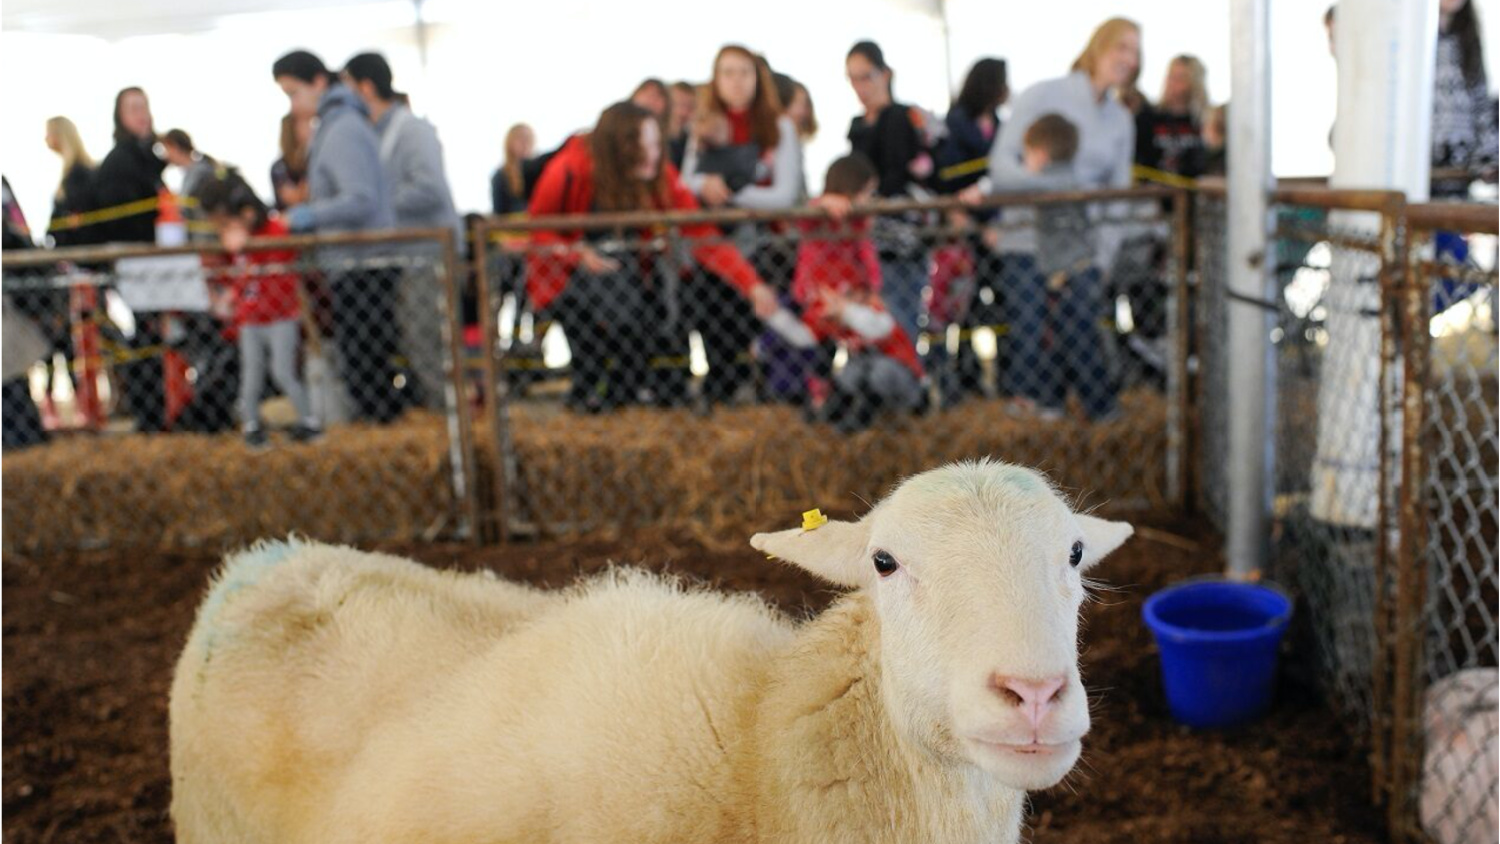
1218	642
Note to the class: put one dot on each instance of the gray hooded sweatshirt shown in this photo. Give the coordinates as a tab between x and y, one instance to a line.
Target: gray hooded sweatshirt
346	189
412	158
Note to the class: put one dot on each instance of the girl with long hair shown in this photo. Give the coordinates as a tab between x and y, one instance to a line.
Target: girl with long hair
601	291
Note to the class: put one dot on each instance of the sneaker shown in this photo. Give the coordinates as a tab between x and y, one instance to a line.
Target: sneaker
256	439
304	433
1046	413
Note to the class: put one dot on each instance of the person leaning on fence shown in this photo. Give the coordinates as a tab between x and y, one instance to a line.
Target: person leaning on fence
837	287
602	291
347	193
267	306
1053	298
742	153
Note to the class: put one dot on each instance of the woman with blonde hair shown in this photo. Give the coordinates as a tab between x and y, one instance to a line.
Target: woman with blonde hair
1088	98
510	187
75	190
1169	135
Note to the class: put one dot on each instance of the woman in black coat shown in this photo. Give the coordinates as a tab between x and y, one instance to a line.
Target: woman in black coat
131	172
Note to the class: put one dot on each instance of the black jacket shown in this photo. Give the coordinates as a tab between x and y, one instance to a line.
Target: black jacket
1169	142
76	196
890	144
131	172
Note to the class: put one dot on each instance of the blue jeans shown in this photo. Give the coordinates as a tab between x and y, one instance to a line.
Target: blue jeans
1054	340
901	283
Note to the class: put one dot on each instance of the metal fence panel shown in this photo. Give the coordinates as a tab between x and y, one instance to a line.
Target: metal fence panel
184	398
638	386
1446	739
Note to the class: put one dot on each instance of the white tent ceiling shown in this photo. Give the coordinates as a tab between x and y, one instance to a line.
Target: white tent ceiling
111	19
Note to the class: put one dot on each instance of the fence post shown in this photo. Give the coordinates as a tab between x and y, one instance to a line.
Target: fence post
1394	279
1248	269
460	421
1180	443
1410	584
499	526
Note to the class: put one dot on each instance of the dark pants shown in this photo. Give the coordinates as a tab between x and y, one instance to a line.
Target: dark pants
728	325
603	316
368	339
1054	339
22	423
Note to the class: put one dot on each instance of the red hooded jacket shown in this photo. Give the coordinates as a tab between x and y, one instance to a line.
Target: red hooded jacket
567	187
264	283
839	257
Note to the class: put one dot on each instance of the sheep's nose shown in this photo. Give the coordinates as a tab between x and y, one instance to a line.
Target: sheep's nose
1033	697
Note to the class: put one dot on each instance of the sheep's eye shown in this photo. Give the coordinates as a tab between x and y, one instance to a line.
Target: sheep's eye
1077	556
885	564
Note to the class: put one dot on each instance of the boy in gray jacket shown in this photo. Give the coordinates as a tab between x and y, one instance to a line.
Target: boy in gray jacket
1050	255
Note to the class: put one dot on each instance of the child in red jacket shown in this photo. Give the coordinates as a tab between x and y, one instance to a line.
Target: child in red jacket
837	286
267	304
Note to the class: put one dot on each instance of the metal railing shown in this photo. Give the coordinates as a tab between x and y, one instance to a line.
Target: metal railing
718	421
1384	508
187	398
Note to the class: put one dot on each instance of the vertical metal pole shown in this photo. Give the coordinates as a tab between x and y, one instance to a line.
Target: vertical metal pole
460	420
1395	269
1179	447
499	524
1411	582
1248	267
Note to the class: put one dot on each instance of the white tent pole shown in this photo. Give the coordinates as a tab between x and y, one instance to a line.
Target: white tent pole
421	27
1249	261
947	48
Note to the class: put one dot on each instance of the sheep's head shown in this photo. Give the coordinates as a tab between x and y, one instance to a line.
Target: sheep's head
976	572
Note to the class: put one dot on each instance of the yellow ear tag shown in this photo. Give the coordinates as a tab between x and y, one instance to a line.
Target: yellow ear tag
813	519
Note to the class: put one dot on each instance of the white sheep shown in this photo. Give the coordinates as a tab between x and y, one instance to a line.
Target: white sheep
1460	796
329	696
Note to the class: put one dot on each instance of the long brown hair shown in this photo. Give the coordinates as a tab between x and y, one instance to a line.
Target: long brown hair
765	109
292	150
122	135
514	178
1465	25
615	145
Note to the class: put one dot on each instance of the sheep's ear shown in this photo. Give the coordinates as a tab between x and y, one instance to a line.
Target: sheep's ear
834	551
1100	537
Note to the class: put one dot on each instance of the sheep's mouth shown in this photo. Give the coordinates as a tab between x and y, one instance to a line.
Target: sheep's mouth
1035	748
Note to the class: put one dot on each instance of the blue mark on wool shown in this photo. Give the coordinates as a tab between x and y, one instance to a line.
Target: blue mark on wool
243	570
1022	480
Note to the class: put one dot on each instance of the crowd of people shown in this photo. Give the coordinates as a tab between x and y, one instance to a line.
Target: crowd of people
355	157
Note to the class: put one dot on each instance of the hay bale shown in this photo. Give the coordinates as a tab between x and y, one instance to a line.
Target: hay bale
718	478
183	491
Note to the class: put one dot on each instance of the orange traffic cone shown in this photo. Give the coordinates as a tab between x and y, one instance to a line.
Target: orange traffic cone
83	302
171	229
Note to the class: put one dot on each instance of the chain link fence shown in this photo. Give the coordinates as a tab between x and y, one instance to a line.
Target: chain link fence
712	371
187	398
1210	404
1385	492
1445	746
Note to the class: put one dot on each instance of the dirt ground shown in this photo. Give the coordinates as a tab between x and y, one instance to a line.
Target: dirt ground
90	639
